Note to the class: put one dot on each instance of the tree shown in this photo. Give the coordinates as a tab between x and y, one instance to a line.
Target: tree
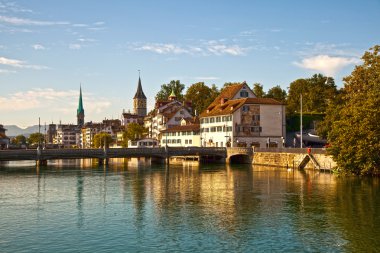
36	138
133	132
201	96
102	138
258	90
277	93
166	90
355	132
19	140
316	92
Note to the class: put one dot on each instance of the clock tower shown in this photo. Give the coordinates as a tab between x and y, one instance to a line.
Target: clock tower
139	101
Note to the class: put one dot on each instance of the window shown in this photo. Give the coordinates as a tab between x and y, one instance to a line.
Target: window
169	141
190	141
213	129
183	133
206	120
256	117
224	118
243	94
186	142
178	140
212	120
219	129
245	108
229	118
229	129
202	120
217	119
206	130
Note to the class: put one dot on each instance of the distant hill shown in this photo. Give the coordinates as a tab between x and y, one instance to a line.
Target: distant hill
13	130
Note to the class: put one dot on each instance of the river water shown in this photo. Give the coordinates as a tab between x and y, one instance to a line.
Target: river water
185	208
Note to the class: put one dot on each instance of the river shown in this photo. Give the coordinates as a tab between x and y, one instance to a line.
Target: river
125	207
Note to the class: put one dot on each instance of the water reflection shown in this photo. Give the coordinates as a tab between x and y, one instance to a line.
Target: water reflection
187	207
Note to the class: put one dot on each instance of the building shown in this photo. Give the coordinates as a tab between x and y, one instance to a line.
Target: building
128	118
139	101
186	134
68	136
4	140
80	110
167	114
90	129
143	143
237	118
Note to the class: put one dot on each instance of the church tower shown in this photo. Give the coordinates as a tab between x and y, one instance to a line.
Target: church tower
80	110
139	101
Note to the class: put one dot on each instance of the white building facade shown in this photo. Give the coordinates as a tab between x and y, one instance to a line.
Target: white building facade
237	118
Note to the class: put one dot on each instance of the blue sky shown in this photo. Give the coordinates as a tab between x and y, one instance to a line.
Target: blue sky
49	48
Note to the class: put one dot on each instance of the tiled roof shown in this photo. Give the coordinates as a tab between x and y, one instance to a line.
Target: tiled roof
194	127
232	105
228	92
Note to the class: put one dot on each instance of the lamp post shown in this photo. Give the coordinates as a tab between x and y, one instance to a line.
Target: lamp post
301	124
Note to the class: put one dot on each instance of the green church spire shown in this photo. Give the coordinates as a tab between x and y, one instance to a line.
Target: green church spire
80	105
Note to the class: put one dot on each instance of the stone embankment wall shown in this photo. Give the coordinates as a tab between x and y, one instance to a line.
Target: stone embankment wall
290	158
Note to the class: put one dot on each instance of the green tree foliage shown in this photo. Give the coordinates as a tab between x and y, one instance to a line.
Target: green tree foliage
258	90
316	92
102	138
133	132
166	90
36	138
19	139
355	131
277	93
201	96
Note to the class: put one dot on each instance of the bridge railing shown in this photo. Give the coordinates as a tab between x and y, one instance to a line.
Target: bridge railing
292	150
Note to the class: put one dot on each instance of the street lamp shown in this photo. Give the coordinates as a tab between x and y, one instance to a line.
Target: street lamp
301	124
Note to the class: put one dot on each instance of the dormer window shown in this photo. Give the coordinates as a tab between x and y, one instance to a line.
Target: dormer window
243	94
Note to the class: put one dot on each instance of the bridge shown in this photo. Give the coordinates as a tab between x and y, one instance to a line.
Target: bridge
242	155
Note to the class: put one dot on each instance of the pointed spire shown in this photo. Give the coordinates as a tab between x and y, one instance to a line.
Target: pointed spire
80	104
139	92
172	95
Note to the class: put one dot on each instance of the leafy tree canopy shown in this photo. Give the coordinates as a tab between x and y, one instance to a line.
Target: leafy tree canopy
355	130
19	139
102	138
258	90
201	96
316	92
35	138
277	93
133	132
166	90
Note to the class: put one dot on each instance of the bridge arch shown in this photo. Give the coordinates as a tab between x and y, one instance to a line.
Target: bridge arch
240	159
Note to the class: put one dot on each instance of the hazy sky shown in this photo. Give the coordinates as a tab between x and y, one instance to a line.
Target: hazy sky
47	48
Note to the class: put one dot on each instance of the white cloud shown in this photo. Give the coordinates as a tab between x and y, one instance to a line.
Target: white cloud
6	71
221	49
38	47
205	49
75	46
22	21
20	64
328	65
162	48
51	100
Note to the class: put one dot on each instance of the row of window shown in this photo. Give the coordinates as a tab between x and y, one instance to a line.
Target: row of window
177	141
216	129
216	119
182	133
255	129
